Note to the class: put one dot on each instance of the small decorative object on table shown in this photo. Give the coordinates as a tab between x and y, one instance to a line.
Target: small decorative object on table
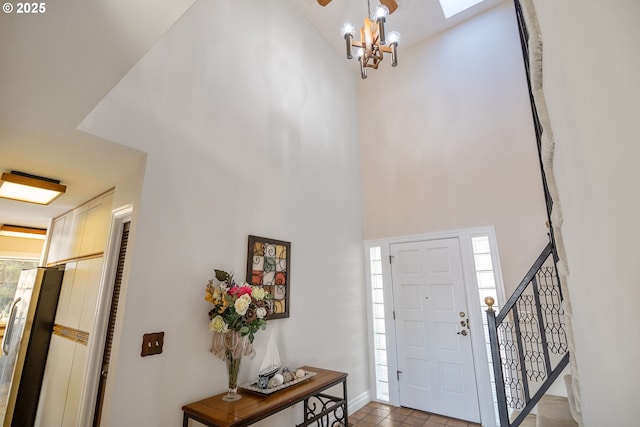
270	363
279	381
239	311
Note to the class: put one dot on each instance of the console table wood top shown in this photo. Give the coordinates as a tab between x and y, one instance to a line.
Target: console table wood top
253	406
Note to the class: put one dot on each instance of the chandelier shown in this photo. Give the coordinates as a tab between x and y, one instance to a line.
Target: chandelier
373	41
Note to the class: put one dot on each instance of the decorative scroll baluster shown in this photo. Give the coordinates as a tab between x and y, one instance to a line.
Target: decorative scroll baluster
542	328
528	340
521	354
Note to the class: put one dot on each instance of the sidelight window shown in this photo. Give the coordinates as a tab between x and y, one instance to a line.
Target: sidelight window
379	336
485	276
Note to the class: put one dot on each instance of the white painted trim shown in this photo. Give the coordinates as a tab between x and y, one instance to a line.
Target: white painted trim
480	357
392	363
481	362
98	333
369	297
359	402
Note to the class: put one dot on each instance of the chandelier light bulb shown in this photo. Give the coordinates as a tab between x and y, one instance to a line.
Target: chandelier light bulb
393	37
381	12
347	28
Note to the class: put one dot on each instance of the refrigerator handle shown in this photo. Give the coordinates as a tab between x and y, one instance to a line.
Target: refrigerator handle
7	335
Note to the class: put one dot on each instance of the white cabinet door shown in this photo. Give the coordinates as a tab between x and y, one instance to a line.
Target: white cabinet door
81	232
74	390
56	237
53	396
62	312
79	294
96	228
76	298
90	299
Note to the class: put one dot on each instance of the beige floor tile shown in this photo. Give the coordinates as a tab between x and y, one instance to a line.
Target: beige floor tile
375	414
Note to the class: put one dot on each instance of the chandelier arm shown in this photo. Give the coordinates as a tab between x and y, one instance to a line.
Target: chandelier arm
349	40
363	70
394	54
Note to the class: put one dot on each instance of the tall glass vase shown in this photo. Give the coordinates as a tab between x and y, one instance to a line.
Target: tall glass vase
231	346
233	367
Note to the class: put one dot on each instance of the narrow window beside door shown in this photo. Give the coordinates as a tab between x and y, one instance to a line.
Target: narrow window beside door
486	279
379	336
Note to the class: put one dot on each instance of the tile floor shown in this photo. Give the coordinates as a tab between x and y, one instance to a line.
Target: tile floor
381	415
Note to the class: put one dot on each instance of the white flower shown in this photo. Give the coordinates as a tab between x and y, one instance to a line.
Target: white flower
258	293
242	304
261	312
218	324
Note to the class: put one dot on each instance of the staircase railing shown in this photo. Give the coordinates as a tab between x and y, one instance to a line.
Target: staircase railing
528	340
523	32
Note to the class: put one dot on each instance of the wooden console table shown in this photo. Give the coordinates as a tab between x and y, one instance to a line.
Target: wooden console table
253	407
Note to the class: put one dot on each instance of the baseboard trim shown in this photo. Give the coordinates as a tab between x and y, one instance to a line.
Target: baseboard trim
359	402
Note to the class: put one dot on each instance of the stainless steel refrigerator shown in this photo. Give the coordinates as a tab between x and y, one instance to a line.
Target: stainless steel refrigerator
25	344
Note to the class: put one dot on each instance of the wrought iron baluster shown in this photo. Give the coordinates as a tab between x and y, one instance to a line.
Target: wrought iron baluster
497	364
523	368
541	326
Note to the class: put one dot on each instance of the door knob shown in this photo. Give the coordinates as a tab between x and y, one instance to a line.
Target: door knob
463	333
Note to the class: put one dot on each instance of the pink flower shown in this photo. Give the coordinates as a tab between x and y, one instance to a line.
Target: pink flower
238	291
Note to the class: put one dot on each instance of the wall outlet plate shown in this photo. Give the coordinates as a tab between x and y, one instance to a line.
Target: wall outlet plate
152	343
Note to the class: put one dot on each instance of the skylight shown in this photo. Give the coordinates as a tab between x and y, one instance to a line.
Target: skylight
453	7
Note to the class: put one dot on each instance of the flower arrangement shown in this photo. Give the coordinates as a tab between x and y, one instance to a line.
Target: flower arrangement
240	308
239	311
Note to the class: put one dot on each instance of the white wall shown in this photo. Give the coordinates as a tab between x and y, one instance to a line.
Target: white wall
591	65
248	130
448	142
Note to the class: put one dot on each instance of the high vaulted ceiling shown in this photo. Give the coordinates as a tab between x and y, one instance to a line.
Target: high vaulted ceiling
56	66
416	20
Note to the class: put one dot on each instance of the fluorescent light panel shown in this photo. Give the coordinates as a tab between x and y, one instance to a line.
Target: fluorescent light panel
23	232
453	7
30	188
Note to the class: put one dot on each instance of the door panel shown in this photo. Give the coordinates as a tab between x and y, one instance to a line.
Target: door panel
56	382
435	359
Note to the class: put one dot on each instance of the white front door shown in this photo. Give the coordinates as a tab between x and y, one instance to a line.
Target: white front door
435	359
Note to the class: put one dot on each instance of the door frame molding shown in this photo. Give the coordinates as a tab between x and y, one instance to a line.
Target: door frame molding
480	358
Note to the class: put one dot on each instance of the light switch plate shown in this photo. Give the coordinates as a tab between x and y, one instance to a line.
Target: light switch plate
152	343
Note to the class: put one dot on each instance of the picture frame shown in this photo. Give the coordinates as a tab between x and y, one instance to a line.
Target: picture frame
268	265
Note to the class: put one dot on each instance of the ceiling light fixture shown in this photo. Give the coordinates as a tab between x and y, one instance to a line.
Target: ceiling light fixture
373	40
30	188
24	232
